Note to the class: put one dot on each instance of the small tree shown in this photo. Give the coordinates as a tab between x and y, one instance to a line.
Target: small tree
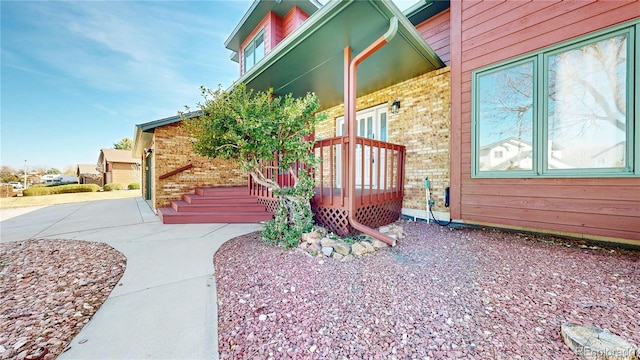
124	144
70	170
263	132
8	174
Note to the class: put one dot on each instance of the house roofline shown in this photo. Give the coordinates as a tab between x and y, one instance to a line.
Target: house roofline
257	11
143	132
425	9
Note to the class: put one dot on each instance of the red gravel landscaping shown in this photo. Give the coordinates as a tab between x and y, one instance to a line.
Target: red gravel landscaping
441	293
49	289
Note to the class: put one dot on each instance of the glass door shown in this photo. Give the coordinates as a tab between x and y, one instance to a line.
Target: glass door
372	124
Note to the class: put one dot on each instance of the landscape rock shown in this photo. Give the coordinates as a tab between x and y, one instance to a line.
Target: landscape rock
51	288
357	249
311	237
367	245
379	244
315	247
327	250
456	293
590	342
342	248
327	242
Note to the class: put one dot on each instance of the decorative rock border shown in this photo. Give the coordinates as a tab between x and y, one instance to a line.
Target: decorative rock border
319	242
589	342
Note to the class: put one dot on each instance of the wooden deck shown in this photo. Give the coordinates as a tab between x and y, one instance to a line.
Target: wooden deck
365	197
379	183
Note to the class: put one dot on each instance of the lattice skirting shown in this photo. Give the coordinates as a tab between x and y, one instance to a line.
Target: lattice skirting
373	216
271	204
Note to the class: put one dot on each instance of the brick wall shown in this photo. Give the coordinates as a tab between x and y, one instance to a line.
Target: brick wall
6	191
172	150
125	174
422	125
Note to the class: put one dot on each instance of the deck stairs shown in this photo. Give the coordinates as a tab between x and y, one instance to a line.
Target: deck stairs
215	205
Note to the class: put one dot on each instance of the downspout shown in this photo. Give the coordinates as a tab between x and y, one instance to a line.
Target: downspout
350	114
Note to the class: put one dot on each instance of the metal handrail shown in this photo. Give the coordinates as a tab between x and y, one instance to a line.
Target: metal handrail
176	171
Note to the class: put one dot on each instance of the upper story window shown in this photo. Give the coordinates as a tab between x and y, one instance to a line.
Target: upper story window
253	51
563	111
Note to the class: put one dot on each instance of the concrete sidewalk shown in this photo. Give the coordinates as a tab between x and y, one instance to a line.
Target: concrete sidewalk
166	306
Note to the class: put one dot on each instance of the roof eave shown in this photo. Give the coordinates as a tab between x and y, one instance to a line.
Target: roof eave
257	11
386	9
143	133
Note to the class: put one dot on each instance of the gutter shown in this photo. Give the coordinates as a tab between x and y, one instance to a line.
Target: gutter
350	115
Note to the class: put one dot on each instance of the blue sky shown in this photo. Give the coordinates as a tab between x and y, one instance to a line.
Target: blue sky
77	76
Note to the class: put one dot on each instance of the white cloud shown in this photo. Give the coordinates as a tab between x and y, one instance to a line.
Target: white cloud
149	49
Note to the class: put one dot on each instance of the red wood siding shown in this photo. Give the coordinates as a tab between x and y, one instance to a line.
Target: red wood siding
270	25
486	32
436	31
275	30
294	18
278	31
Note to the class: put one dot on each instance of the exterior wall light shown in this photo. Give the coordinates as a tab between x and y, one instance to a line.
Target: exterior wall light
395	106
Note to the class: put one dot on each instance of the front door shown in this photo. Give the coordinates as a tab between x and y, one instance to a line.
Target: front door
148	177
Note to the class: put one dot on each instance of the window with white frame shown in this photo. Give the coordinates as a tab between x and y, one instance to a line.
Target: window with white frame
253	51
563	111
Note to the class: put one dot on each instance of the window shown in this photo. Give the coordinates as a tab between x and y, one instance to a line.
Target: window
254	51
562	111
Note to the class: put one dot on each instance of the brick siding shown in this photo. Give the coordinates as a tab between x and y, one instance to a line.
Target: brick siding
172	150
422	125
125	174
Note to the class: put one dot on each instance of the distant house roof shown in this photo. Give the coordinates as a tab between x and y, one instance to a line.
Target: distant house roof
87	169
117	156
618	144
503	142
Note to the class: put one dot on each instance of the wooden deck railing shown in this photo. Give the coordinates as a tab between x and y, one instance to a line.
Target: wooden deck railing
271	172
379	170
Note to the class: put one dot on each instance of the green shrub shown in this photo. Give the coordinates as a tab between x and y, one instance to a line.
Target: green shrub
134	186
112	186
60	189
36	191
76	188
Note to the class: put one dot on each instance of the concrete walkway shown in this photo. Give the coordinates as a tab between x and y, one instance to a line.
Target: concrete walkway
166	306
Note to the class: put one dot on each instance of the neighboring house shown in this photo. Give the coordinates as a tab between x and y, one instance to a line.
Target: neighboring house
88	174
444	91
613	156
118	166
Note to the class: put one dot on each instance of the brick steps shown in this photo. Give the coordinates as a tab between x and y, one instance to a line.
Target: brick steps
215	205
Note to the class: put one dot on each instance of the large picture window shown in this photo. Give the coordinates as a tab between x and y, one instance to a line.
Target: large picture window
254	51
563	111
